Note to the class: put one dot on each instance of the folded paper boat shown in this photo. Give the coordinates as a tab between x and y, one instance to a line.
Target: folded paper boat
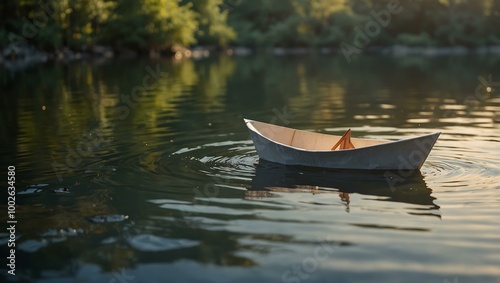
304	148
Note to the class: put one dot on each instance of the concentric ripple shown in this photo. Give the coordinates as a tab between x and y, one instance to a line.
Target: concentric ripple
460	161
226	161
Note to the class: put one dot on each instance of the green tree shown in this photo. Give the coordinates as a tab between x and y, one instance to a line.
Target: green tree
493	22
213	28
150	24
262	22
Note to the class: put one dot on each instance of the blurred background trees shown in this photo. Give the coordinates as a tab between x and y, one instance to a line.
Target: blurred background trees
144	25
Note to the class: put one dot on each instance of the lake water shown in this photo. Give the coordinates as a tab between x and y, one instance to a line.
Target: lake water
132	170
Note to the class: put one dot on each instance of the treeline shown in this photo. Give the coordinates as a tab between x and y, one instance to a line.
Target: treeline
130	24
161	24
469	23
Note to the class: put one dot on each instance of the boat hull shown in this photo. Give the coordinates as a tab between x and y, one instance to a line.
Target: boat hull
407	154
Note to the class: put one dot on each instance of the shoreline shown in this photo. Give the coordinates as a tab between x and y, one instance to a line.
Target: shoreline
14	59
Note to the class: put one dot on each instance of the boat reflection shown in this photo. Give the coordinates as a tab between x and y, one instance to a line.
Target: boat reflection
271	178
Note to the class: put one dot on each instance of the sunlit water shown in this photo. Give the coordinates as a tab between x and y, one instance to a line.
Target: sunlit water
167	187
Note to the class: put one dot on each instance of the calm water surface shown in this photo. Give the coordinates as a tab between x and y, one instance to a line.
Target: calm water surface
119	185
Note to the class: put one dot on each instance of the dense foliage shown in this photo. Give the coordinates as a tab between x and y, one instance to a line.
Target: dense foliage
331	22
161	24
130	24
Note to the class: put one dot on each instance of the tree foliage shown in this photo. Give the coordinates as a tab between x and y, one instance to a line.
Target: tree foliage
133	24
330	22
153	24
213	27
161	24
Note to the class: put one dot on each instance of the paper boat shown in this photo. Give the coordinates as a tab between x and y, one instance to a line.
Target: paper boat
297	147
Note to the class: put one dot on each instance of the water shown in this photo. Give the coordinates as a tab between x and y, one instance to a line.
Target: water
166	186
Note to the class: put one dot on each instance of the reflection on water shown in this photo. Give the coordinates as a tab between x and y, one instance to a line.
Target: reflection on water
111	181
271	177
